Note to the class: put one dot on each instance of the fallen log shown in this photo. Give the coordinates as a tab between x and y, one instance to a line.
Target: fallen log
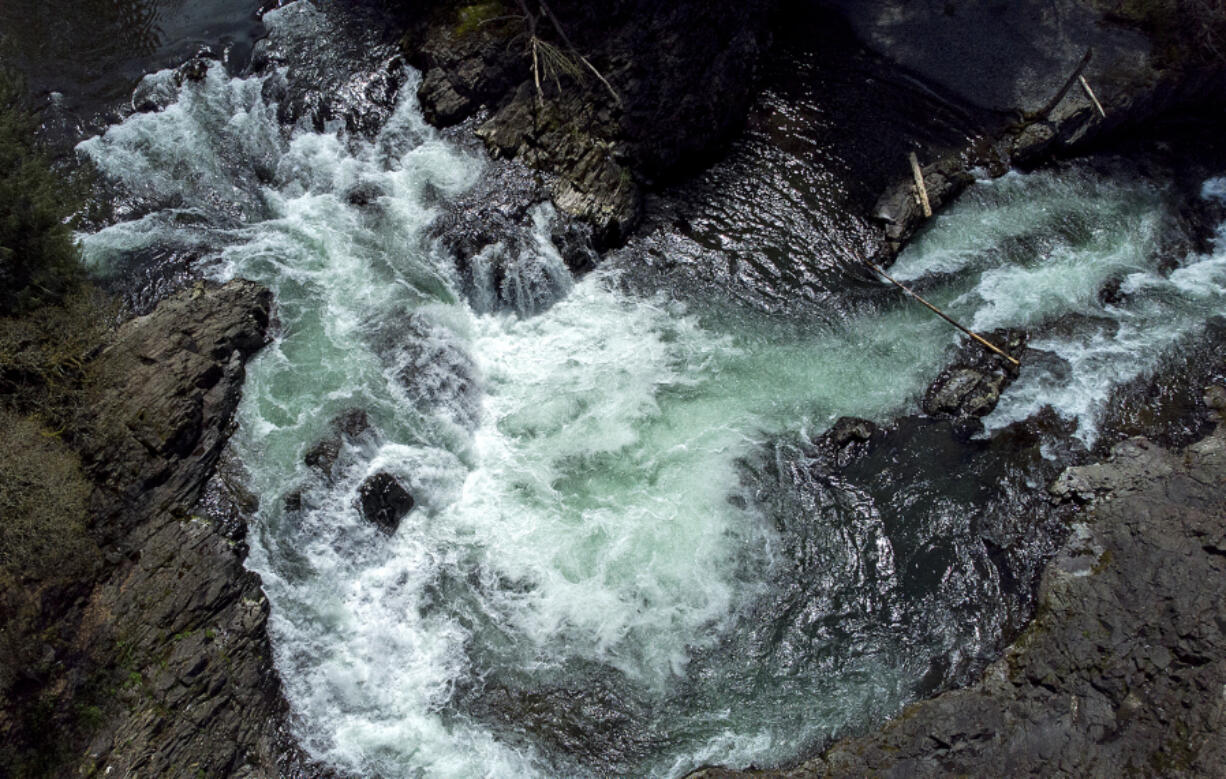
978	338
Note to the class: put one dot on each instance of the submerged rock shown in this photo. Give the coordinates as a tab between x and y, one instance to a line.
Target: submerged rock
384	501
346	427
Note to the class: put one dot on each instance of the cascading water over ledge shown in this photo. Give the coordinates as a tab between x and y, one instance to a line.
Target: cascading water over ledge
615	564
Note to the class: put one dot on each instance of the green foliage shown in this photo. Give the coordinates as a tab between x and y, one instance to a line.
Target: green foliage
470	17
39	262
43	495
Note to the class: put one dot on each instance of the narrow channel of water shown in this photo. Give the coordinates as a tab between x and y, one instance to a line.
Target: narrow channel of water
573	591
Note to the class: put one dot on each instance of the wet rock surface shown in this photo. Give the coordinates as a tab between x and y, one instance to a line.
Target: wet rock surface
1175	405
971	385
505	242
871	533
603	144
1122	669
347	428
384	501
783	222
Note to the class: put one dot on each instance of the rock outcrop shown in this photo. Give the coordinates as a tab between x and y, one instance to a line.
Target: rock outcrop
161	666
196	689
1121	671
673	85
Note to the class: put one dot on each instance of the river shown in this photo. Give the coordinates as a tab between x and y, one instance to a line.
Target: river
597	577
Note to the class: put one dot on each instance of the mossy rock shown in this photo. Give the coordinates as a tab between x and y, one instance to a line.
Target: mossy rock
470	18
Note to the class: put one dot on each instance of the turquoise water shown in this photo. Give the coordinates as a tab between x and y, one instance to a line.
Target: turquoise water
581	527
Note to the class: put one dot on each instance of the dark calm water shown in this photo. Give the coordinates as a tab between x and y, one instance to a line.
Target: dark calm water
81	58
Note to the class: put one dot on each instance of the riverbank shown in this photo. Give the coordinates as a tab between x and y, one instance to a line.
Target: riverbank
1121	670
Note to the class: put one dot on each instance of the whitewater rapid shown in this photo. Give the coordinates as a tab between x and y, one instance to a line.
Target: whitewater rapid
582	536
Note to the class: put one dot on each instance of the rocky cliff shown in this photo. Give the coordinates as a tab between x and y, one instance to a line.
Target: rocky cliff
158	663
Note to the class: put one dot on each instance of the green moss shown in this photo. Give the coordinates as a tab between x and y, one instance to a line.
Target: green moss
90	717
1104	561
469	18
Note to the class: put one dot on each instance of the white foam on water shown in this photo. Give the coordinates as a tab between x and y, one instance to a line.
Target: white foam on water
1035	247
571	469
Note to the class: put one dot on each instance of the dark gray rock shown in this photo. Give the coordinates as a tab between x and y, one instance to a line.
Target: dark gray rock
164	400
1004	56
1170	406
971	385
1123	668
323	455
384	501
849	429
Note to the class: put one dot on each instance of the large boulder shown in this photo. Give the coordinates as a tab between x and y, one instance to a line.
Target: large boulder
384	501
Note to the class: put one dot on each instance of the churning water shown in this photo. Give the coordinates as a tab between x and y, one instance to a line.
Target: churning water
574	590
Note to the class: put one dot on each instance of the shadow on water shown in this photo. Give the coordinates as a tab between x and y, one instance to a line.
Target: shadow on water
784	221
85	57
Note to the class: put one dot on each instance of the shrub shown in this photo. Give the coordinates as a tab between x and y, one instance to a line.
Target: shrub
39	262
44	357
43	500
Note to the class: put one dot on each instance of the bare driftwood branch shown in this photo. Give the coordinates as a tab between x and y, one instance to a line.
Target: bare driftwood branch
551	59
918	174
978	338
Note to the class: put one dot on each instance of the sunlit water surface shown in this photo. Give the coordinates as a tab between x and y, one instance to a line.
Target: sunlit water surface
582	555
